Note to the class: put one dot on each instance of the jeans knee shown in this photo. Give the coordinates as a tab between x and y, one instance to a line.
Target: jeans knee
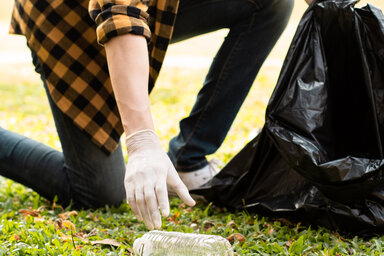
283	8
97	187
278	12
112	197
99	197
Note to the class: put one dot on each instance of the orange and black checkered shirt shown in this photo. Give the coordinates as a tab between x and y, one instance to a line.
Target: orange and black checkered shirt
66	36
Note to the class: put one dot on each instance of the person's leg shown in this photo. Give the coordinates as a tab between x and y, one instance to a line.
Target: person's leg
255	26
96	179
34	165
82	173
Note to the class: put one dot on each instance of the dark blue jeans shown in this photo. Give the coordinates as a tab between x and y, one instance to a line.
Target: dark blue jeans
254	27
82	173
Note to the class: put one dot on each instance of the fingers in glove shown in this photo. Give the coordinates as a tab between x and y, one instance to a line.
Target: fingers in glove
181	190
153	208
142	205
162	197
131	199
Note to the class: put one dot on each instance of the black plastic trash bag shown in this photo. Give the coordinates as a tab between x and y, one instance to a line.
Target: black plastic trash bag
319	157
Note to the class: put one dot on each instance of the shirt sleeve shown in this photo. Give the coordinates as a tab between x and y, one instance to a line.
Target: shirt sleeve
118	17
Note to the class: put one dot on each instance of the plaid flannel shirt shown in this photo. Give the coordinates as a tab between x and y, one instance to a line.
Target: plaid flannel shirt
66	36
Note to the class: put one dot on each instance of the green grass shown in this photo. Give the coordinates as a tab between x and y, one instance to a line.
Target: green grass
44	230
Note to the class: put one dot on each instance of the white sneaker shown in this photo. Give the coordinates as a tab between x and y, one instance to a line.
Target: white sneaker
199	177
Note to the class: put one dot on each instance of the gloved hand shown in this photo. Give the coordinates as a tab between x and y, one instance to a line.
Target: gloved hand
147	174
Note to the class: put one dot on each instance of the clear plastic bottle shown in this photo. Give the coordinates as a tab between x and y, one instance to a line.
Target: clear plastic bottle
161	243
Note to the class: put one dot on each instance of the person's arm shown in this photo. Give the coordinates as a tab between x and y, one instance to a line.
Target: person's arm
127	57
149	169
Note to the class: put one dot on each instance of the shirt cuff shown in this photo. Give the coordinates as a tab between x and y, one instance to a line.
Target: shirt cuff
119	20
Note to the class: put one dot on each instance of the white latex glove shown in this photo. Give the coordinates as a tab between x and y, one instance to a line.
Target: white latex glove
147	174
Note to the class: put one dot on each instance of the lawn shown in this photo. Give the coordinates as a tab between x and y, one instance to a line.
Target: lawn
30	225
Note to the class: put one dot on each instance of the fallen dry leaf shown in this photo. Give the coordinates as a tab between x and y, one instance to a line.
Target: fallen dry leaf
66	238
69	238
232	224
285	222
208	224
60	223
93	232
174	218
66	215
84	237
188	209
80	235
106	242
236	236
29	212
78	247
182	206
68	225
